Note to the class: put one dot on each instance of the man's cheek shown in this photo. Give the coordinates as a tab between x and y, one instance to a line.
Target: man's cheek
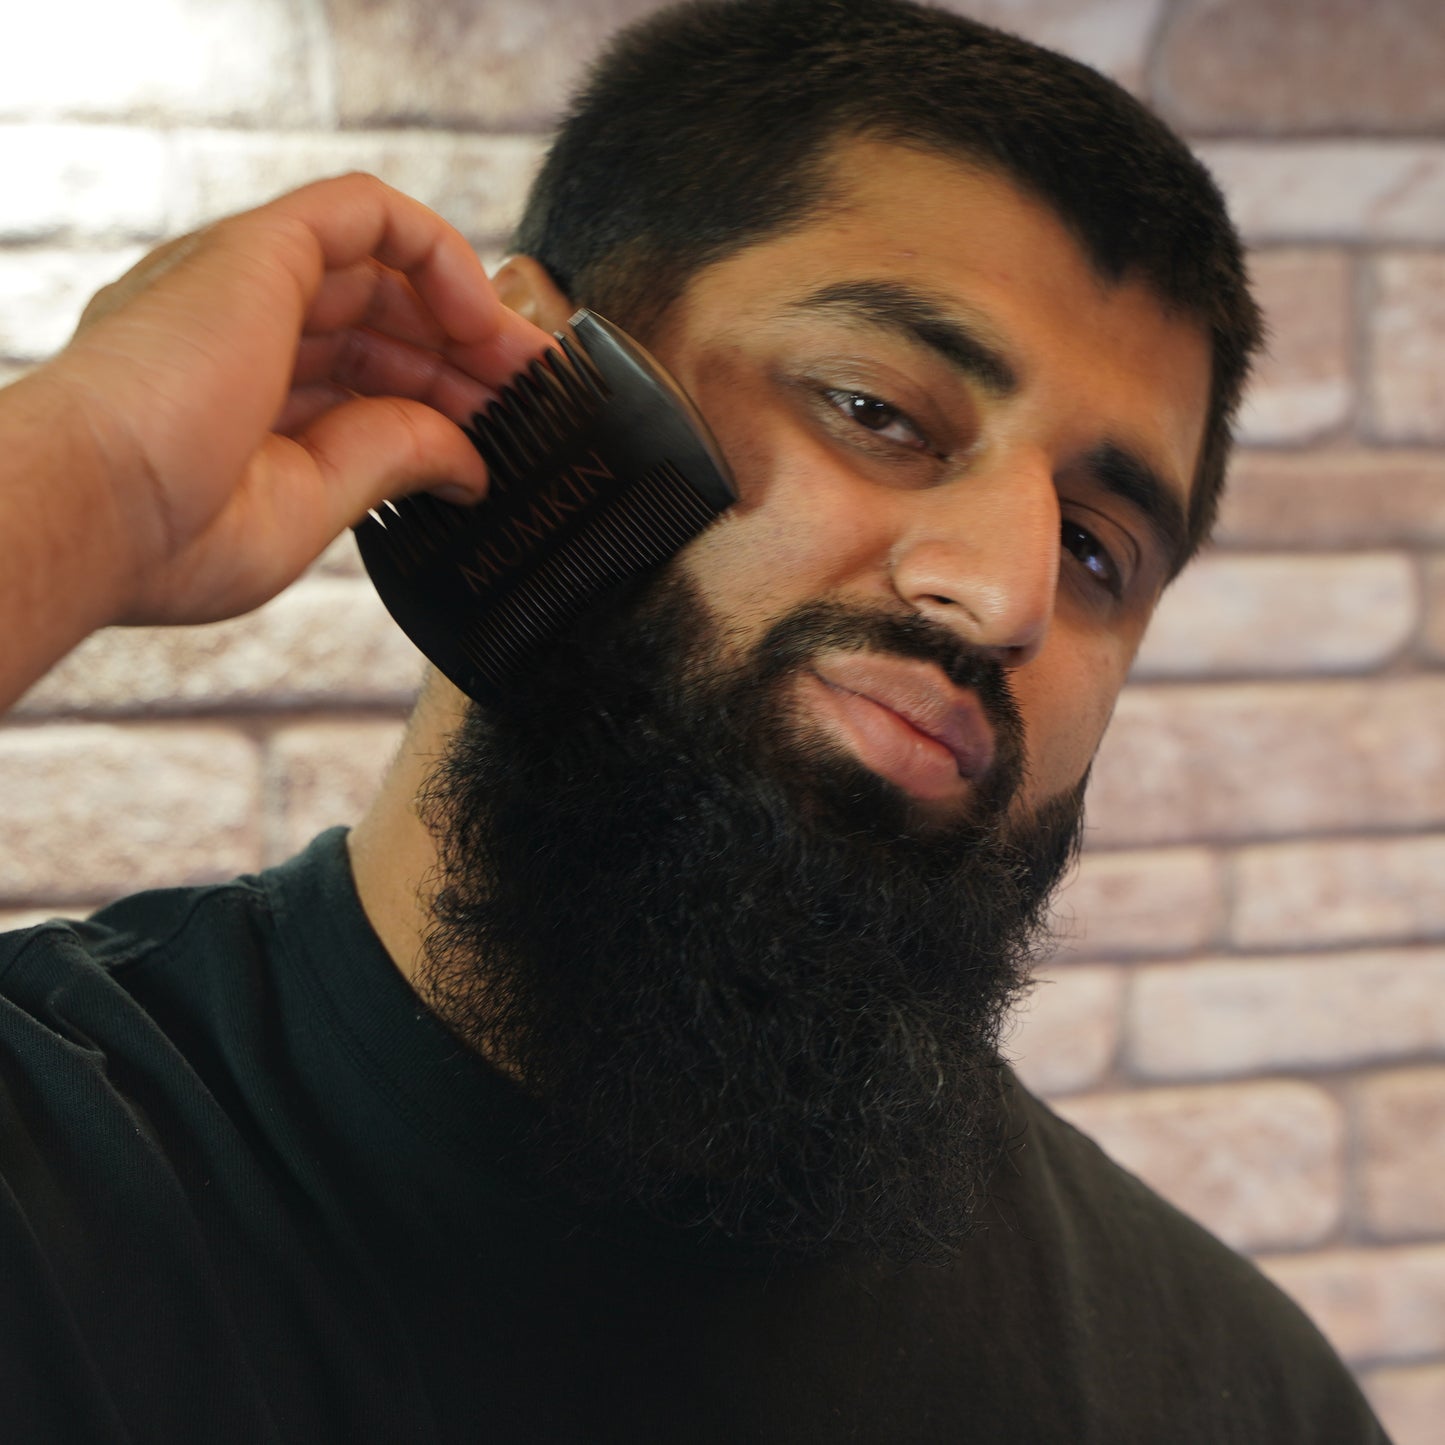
740	569
1063	727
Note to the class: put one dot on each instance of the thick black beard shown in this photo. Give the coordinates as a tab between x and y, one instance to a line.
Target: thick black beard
749	990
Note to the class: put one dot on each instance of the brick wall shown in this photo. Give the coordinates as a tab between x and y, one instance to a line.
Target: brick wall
1249	1007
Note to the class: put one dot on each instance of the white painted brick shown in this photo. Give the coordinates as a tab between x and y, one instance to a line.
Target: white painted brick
1260	1164
1253	761
1331	67
326	640
1270	615
43	291
477	182
1372	1304
1121	905
1400	1117
1328	190
94	811
1351	891
505	64
1242	1015
1407	348
1303	386
322	773
223	61
86	181
1344	498
12	920
1065	1036
1434	635
1410	1401
1111	35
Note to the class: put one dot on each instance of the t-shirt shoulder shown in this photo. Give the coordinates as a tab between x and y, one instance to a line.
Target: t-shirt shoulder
128	932
1149	1259
1116	1212
179	923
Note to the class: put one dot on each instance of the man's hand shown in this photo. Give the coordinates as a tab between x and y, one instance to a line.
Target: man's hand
230	405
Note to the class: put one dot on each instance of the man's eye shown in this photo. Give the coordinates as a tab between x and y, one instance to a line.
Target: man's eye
877	416
1093	556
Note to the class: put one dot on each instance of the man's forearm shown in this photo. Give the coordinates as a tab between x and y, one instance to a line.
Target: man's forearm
58	577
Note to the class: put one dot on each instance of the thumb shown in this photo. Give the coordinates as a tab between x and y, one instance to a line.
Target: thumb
376	447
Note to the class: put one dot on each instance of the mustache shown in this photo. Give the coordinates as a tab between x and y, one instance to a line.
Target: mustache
799	636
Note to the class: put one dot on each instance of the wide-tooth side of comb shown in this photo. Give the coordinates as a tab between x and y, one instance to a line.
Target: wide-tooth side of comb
599	468
555	396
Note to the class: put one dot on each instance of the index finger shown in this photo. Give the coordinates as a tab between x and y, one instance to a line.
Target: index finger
351	218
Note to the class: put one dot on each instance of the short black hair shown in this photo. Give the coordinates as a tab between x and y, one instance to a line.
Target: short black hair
707	127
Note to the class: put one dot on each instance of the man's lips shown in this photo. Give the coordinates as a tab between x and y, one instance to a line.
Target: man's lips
903	720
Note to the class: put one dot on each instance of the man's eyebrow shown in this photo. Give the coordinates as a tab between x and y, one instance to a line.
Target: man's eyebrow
919	317
1126	476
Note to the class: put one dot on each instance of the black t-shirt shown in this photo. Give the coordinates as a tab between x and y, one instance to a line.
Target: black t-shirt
251	1191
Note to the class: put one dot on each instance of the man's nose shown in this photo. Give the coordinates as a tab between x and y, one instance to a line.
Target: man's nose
980	554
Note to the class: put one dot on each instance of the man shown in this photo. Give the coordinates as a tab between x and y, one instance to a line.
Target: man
630	1071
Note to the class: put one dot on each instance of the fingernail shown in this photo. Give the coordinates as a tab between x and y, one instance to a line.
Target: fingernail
457	496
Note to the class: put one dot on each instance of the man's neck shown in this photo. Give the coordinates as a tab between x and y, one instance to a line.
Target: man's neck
393	855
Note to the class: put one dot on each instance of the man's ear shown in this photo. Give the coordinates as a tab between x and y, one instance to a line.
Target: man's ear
526	288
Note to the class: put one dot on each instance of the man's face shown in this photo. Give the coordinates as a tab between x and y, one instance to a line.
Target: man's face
934	406
743	881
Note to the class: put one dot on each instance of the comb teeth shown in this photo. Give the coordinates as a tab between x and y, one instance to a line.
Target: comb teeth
644	526
419	525
554	396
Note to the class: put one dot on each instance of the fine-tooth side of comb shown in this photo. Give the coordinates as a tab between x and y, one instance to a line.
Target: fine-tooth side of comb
599	468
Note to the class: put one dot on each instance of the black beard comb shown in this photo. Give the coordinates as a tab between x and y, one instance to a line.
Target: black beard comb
600	468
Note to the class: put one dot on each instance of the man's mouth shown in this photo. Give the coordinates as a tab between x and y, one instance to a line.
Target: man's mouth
903	720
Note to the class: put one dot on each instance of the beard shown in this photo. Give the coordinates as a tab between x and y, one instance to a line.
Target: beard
748	989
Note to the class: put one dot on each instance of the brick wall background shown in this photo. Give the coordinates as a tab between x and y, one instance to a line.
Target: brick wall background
1249	1008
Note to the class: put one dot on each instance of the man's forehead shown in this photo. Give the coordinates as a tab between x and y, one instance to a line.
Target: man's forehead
873	184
